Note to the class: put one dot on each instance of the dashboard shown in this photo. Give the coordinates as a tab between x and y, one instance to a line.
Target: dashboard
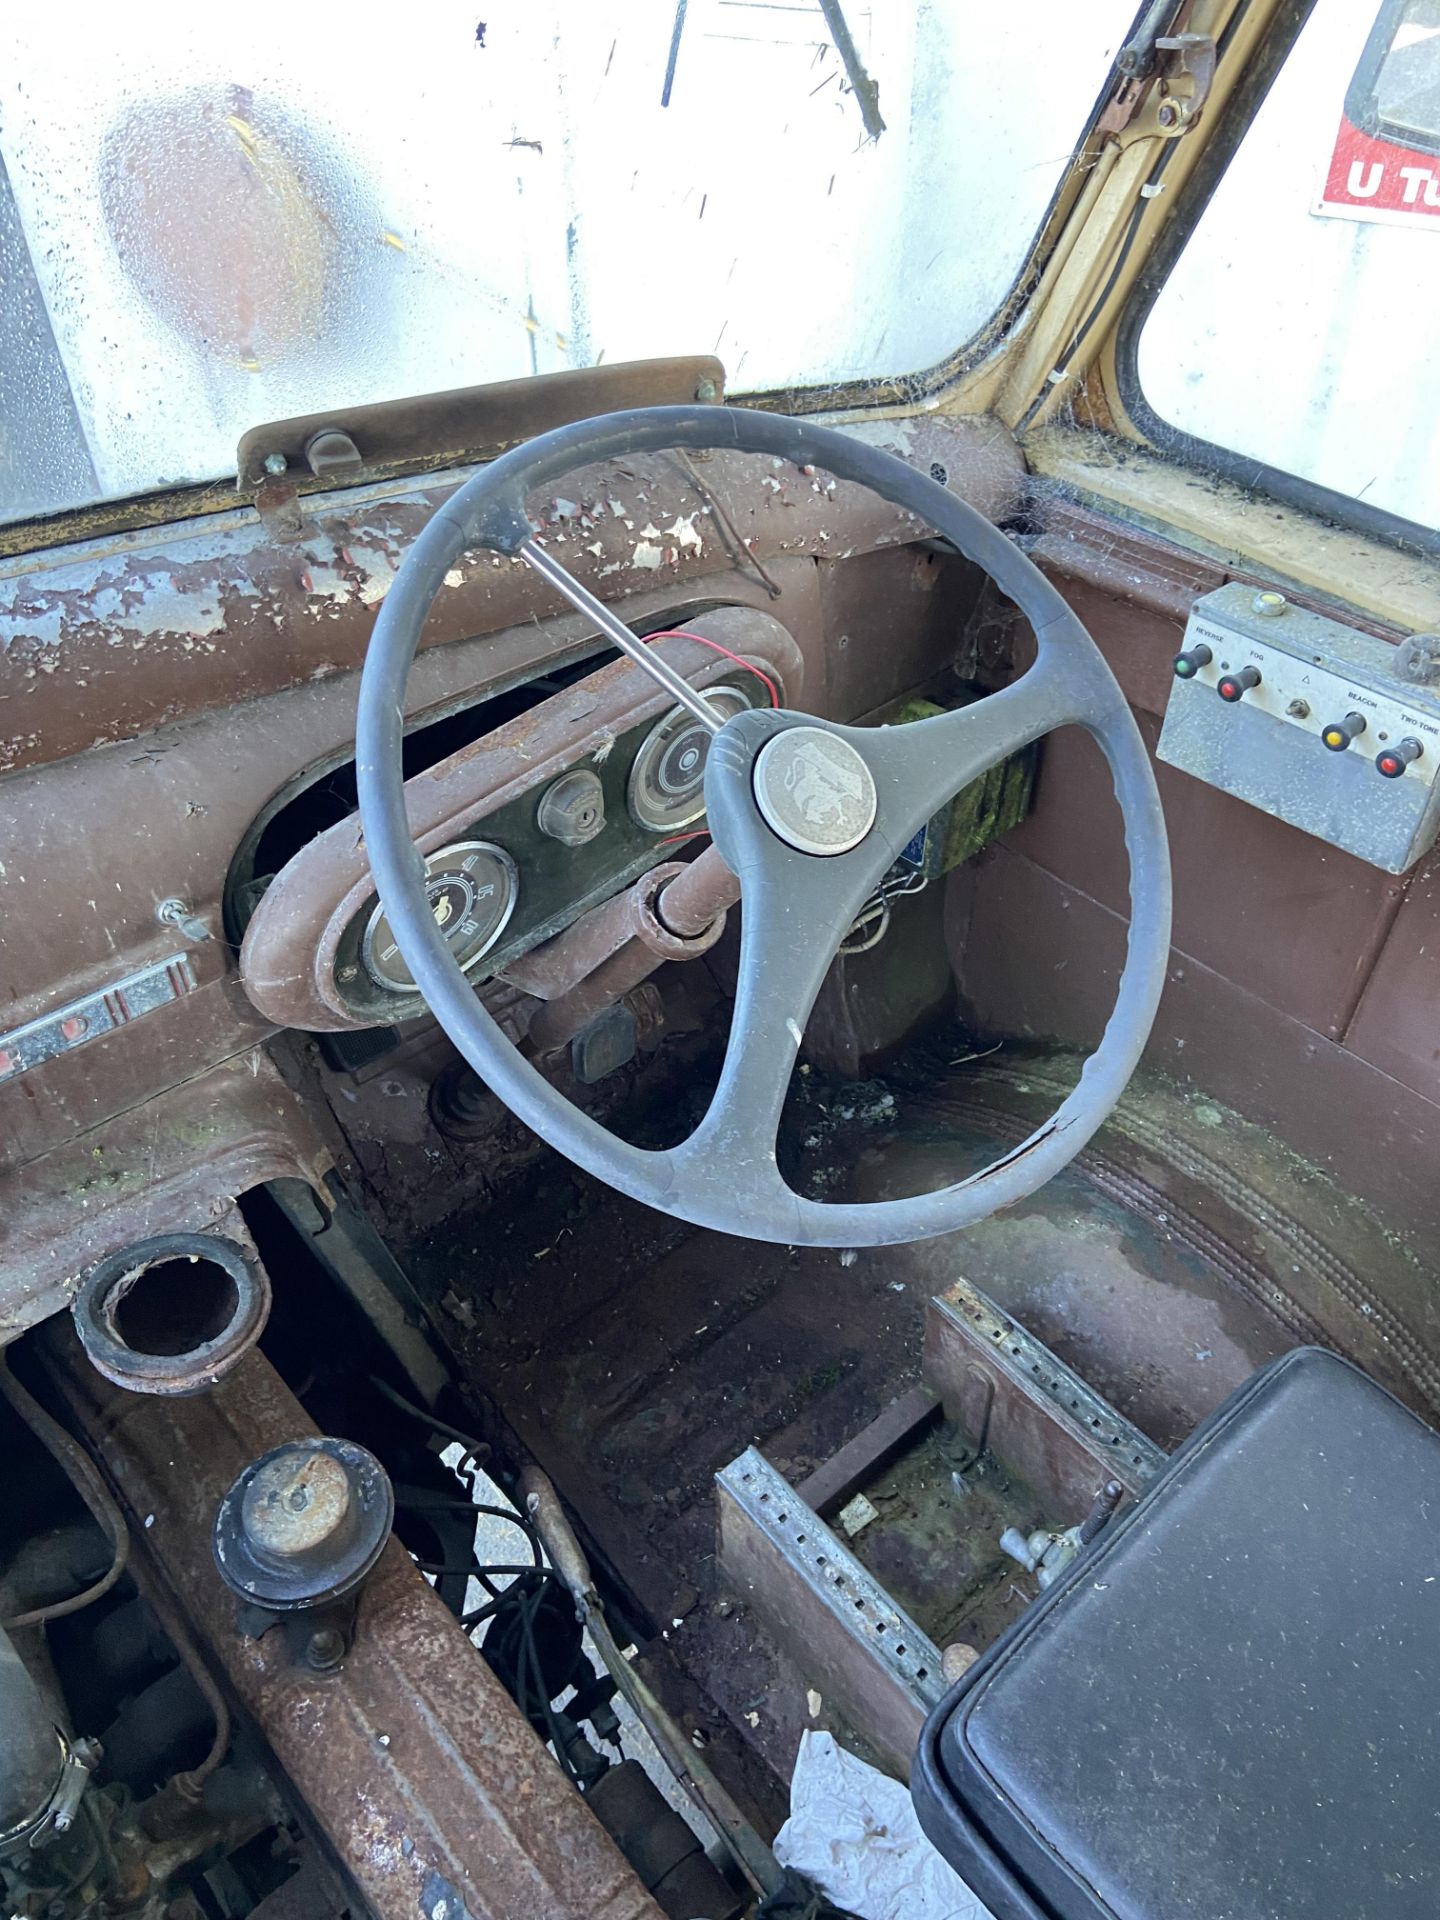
522	831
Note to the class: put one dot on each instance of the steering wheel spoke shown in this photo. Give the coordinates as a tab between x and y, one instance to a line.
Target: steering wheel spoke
795	911
797	907
920	766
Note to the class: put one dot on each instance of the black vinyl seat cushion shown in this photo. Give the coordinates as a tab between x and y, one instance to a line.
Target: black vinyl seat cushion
1230	1707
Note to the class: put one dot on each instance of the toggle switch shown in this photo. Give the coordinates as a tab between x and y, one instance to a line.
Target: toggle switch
1234	686
1338	735
1392	761
1189	663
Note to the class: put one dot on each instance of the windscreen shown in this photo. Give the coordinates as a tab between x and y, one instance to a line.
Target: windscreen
212	217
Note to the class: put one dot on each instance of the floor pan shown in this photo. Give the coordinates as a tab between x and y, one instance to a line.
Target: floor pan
635	1356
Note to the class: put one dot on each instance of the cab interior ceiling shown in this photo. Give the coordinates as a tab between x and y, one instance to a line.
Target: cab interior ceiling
1267	1181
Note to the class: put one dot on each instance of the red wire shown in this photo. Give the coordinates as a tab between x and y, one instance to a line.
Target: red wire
679	633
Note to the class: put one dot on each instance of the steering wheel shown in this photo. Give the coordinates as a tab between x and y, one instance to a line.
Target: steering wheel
809	815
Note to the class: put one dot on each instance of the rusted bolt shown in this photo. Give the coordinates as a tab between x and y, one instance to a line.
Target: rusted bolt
1171	114
326	1649
295	1504
275	464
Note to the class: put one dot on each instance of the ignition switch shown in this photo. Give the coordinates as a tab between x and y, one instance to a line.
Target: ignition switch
572	809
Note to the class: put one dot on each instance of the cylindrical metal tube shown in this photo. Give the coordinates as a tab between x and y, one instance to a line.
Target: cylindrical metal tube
560	1020
697	896
32	1757
674	913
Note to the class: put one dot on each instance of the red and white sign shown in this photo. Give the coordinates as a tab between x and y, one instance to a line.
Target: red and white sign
1370	179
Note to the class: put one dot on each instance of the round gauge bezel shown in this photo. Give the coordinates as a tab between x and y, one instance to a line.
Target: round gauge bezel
676	721
441	858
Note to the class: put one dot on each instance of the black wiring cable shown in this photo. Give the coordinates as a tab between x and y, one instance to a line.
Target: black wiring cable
529	1586
1086	326
477	1616
441	1504
84	1477
1147	192
477	1451
525	1595
440	1568
530	1606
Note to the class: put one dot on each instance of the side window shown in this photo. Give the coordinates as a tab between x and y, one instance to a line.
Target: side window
1295	332
1394	100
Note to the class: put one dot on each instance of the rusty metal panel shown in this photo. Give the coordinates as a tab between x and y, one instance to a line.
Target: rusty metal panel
1013	1396
1284	916
89	847
415	1763
1321	1099
832	1617
870	1452
113	638
1133	564
173	1165
1395	1027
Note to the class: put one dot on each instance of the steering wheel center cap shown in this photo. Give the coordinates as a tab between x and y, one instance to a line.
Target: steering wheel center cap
814	790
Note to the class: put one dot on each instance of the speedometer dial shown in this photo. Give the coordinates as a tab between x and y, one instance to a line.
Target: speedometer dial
472	888
667	781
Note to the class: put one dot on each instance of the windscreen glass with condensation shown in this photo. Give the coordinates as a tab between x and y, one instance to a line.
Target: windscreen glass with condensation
1298	327
211	217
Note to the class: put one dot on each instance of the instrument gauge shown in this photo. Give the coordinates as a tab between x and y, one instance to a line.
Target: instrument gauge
472	888
667	779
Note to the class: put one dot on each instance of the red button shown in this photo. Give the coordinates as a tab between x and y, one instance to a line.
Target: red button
1234	686
1393	761
75	1027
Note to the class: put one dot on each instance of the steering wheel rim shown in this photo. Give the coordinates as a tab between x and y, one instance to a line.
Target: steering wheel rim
725	1176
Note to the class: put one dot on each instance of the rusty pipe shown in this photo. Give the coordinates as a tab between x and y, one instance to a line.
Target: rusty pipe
674	912
558	1022
189	1785
83	1475
698	895
669	910
567	1556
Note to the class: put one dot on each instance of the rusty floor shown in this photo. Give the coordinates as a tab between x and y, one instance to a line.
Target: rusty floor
635	1356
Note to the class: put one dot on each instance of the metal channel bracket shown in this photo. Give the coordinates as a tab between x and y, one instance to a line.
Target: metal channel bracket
1014	1397
828	1613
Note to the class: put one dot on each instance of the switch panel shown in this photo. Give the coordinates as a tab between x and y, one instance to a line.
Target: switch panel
1307	719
